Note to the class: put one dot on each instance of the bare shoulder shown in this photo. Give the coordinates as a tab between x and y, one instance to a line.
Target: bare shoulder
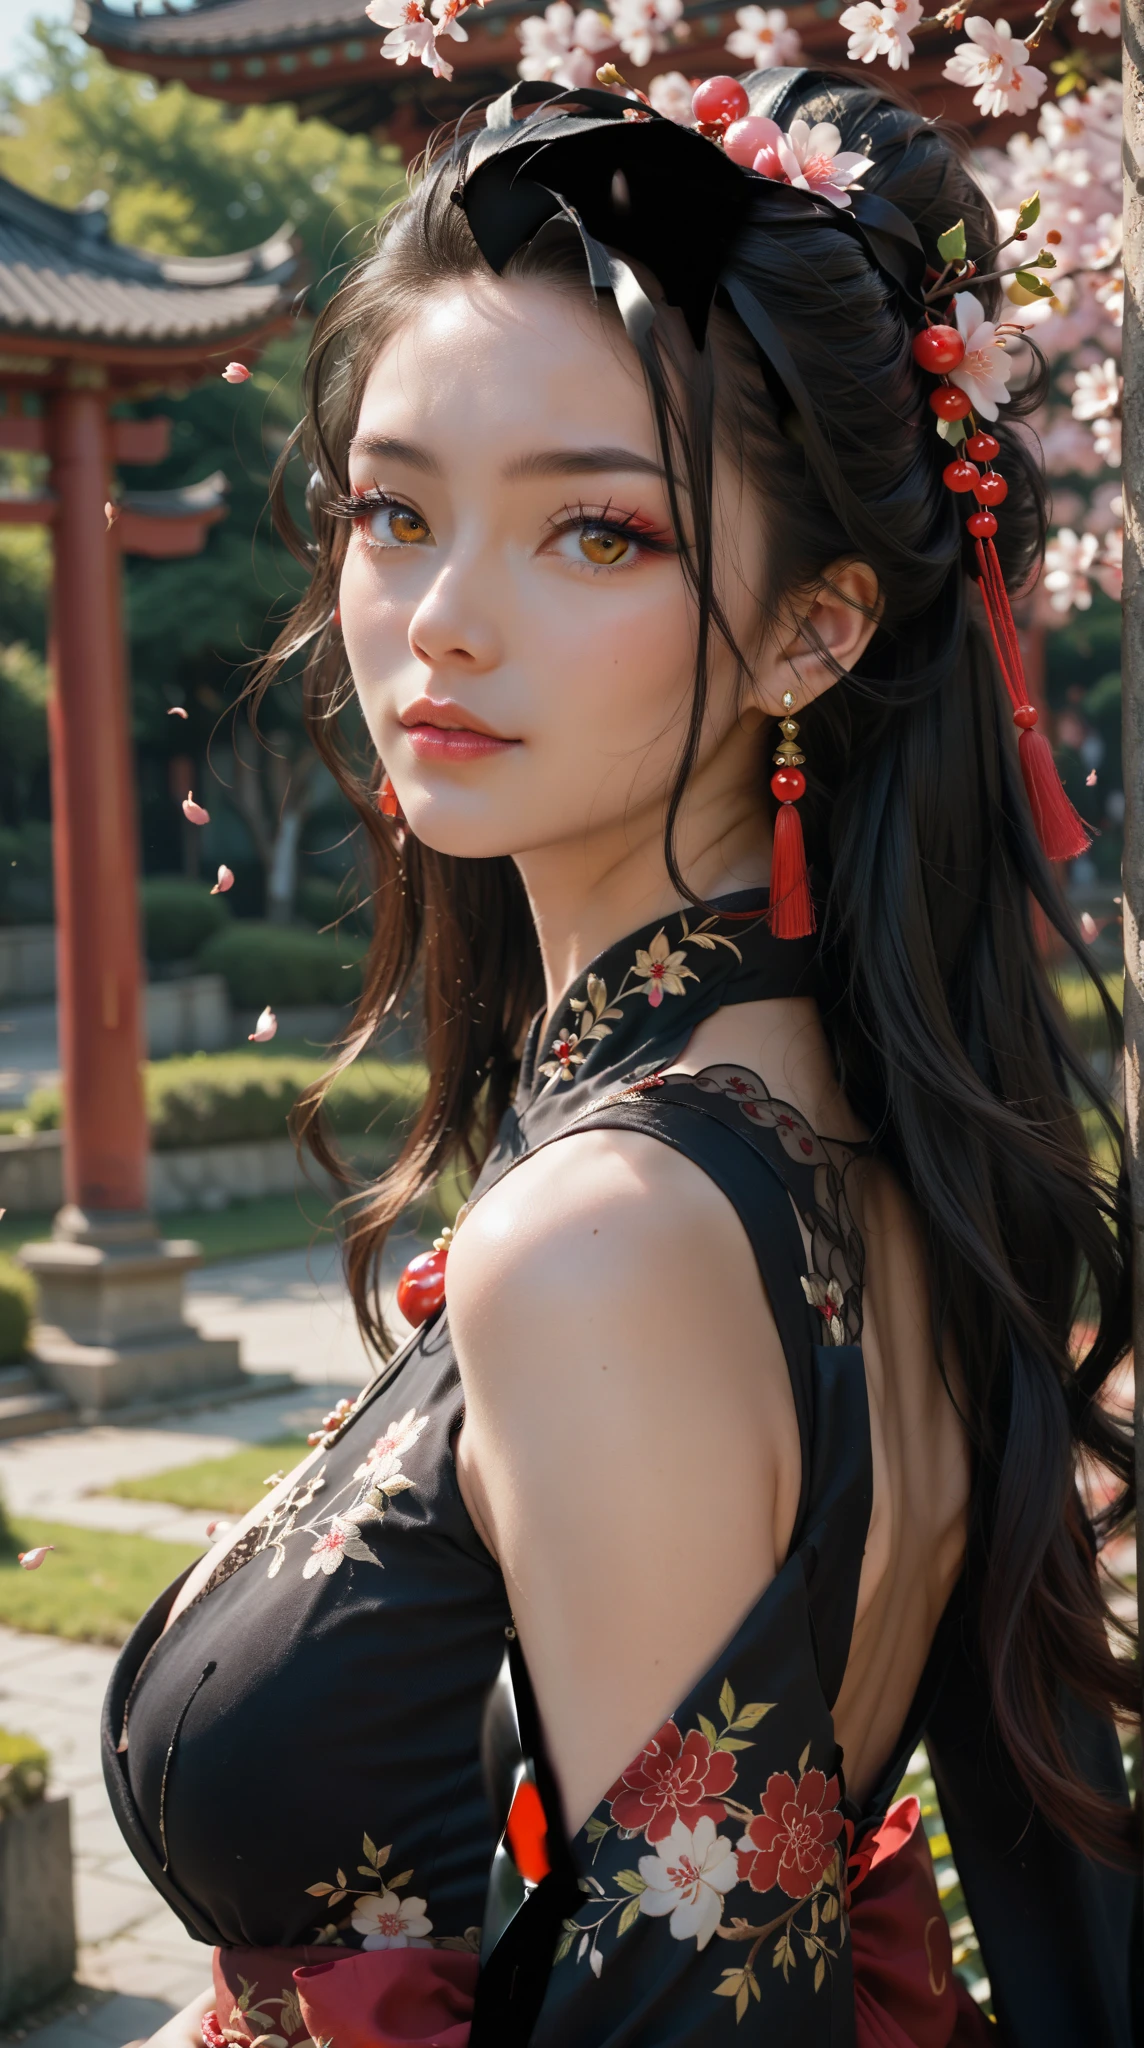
629	1451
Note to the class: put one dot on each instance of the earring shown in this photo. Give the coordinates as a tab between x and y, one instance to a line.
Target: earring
791	912
387	802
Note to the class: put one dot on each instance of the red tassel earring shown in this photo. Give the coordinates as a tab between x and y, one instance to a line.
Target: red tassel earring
791	912
387	802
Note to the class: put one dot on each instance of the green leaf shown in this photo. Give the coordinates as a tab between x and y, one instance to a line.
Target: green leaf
819	1973
630	1881
596	1829
403	1877
749	1717
318	1891
727	1701
1028	212
732	1742
1045	261
709	1730
1035	286
369	1849
952	431
951	245
562	1947
628	1917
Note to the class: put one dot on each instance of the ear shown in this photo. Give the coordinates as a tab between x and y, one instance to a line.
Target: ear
829	630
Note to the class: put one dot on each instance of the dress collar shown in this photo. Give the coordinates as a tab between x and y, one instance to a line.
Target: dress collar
634	1008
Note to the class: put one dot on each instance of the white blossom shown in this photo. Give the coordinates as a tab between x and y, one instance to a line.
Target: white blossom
813	160
763	37
563	45
643	27
1106	441
997	64
1096	391
882	31
1097	17
1108	567
1068	559
984	370
671	94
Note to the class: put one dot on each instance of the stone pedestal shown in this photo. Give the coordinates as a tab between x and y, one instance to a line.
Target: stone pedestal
111	1332
37	1919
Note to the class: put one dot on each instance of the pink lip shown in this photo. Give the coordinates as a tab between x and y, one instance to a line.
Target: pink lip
454	743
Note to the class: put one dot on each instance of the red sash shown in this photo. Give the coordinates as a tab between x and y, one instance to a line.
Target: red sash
906	1993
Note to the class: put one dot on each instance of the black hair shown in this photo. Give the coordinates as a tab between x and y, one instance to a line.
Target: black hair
935	896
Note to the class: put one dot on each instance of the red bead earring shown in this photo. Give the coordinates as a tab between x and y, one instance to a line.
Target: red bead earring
791	912
387	802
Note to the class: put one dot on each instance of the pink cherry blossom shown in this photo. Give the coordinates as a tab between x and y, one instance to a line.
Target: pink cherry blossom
984	371
812	160
31	1560
225	881
111	514
410	31
1106	439
670	94
1108	567
265	1029
1068	560
1096	391
235	373
193	812
882	31
764	37
1098	17
997	64
563	45
177	711
643	27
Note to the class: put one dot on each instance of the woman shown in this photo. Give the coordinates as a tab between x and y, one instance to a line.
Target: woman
752	1424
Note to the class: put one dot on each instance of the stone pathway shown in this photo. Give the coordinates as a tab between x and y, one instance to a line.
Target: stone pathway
137	1965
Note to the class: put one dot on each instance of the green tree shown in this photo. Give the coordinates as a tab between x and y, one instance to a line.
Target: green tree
181	173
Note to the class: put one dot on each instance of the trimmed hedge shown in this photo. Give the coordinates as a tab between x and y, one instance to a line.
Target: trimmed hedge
283	966
24	1767
220	1098
179	916
17	1307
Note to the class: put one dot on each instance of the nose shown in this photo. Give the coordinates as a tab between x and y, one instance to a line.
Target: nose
454	626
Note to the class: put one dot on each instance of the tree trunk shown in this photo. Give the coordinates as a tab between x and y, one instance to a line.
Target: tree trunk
282	873
1133	694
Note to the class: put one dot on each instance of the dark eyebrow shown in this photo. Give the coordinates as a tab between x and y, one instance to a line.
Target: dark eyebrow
395	451
578	462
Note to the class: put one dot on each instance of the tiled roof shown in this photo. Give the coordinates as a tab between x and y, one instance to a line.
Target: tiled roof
208	496
222	25
62	278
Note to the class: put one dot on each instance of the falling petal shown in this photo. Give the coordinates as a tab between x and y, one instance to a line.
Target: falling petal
225	881
193	812
33	1559
218	1527
176	711
265	1028
1090	779
1089	928
111	514
235	373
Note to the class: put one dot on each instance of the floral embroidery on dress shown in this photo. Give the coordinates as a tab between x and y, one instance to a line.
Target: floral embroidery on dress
339	1534
250	2019
379	1913
675	1794
827	1297
658	969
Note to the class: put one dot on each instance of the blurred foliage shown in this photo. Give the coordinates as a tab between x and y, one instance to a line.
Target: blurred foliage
179	916
24	1766
187	175
1082	681
24	724
283	966
218	1098
26	872
17	1307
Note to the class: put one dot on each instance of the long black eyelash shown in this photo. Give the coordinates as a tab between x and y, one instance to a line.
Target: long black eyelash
627	523
357	506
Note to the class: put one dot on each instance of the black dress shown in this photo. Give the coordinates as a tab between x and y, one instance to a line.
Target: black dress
296	1761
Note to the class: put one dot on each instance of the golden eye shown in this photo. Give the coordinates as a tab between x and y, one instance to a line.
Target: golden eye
600	544
406	526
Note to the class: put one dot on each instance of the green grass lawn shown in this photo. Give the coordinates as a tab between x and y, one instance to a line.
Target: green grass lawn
276	1223
94	1586
227	1485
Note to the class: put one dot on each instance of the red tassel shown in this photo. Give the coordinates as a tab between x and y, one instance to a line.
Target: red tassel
1060	831
1062	834
791	913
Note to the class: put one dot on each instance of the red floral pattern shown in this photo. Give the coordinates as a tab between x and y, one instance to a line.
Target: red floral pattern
791	1842
674	1778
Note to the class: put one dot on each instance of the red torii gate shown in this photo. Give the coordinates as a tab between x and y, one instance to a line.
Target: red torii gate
84	323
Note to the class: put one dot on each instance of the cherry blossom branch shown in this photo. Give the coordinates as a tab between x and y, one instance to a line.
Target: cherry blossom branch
1046	18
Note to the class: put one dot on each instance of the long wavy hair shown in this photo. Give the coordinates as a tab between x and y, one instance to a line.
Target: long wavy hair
936	898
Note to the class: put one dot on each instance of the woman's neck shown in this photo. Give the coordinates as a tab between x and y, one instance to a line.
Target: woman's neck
584	897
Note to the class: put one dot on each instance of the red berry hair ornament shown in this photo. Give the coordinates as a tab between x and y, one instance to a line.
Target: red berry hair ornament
791	912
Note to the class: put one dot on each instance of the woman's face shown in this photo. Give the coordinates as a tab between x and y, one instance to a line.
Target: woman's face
512	604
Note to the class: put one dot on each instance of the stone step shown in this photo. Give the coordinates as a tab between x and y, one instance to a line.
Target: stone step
28	1414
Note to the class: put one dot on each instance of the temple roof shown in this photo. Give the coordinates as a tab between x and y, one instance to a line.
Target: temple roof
62	279
226	26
